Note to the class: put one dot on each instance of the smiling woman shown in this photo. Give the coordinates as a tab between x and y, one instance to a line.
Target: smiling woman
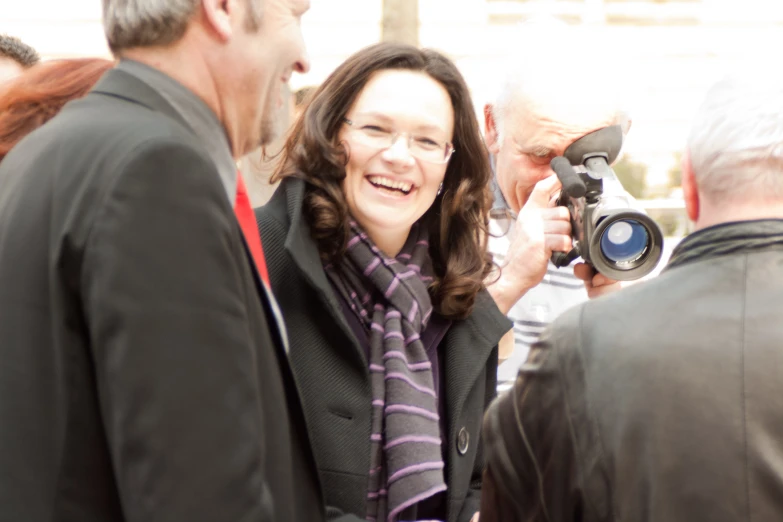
390	182
376	245
386	87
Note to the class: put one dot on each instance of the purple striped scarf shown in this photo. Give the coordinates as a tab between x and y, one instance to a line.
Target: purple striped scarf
391	299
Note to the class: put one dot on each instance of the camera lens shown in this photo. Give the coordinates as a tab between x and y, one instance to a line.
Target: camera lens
624	240
625	245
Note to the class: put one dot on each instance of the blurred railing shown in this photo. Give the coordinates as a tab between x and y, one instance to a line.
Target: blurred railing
635	13
670	214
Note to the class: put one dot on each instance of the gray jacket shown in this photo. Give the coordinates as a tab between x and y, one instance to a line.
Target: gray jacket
662	402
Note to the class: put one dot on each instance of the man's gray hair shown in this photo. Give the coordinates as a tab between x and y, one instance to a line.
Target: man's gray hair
147	23
554	64
14	49
736	140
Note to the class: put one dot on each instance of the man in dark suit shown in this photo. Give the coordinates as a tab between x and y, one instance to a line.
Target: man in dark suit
663	402
144	373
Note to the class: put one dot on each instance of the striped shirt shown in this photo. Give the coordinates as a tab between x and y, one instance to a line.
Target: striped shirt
559	290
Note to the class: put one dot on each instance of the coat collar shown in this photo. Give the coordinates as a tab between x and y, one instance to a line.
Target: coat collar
123	85
304	251
727	239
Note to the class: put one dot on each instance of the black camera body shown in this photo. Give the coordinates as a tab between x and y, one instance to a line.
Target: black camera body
609	229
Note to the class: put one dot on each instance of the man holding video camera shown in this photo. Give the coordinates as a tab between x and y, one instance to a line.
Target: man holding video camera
543	106
662	402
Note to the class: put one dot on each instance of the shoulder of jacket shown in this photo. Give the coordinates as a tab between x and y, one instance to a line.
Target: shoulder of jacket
127	125
272	218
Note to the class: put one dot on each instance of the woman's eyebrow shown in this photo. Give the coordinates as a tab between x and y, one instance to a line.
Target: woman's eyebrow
421	127
378	115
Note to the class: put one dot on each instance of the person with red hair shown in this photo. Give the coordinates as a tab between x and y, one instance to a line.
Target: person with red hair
37	95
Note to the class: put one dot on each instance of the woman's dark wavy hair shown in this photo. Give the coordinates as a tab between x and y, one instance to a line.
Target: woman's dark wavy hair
459	217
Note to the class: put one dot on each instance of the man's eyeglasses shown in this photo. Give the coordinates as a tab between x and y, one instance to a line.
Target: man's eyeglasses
379	136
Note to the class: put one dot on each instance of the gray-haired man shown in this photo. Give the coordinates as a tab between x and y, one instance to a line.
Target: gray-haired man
545	104
144	371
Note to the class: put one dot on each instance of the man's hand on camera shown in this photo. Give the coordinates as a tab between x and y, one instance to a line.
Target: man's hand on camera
542	227
596	283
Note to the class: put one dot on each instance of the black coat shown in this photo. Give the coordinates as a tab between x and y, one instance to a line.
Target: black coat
143	374
658	403
333	377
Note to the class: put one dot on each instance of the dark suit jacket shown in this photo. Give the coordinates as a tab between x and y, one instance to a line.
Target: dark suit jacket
659	403
333	376
143	375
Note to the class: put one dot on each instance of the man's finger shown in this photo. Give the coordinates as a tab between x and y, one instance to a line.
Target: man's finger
556	213
544	190
601	280
584	272
558	242
557	227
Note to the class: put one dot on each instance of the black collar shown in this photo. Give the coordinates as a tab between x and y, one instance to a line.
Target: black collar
120	84
300	244
304	251
728	238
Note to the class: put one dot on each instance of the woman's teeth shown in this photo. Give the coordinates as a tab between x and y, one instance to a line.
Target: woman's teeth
380	181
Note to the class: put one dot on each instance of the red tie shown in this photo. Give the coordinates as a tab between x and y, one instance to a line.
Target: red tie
247	222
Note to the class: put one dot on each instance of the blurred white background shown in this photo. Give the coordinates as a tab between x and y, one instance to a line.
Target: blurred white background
666	53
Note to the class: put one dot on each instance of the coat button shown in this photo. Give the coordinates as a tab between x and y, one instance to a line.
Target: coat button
463	441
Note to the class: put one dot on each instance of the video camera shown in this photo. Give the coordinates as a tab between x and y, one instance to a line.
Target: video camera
609	230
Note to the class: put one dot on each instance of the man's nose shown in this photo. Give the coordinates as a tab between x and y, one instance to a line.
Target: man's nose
302	64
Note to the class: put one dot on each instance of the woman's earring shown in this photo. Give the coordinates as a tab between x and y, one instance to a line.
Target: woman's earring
440	189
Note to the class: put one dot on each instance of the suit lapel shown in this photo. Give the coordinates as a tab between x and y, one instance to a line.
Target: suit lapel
120	84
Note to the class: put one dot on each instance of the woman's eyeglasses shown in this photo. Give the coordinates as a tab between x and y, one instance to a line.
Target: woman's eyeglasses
380	136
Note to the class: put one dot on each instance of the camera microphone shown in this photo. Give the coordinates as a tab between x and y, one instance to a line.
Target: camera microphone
572	184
